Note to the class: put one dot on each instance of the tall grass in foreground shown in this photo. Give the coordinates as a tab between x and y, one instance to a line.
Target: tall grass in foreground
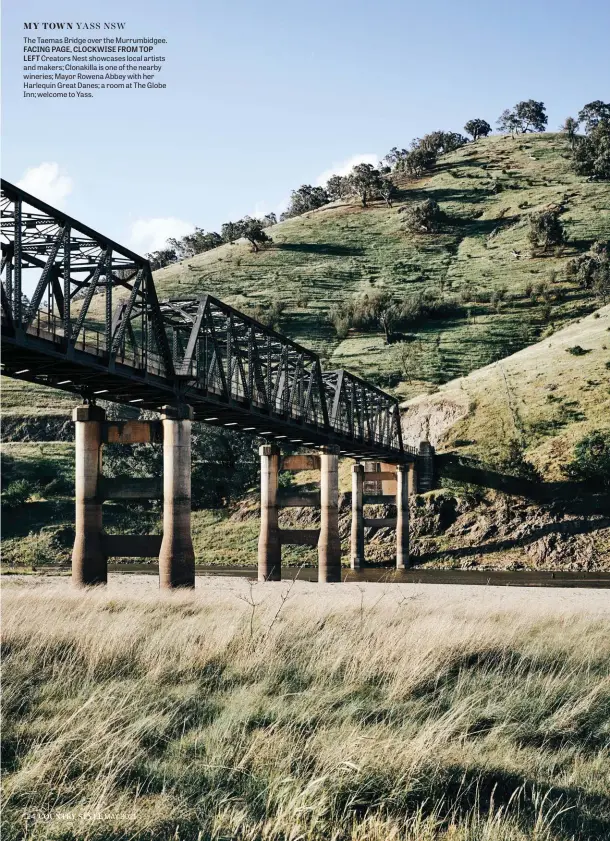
266	713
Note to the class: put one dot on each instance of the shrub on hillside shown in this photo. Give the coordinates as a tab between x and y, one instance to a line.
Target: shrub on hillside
269	315
423	217
545	229
591	460
381	310
592	270
17	493
516	464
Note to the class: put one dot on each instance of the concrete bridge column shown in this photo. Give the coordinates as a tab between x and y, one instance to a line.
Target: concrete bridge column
329	543
176	558
357	535
89	563
425	467
412	481
402	516
269	545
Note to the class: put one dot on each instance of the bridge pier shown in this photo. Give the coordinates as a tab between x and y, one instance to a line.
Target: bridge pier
269	545
357	533
402	516
176	558
425	467
89	562
329	542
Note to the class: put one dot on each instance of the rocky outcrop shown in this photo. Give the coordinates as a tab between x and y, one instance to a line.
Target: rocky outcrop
429	417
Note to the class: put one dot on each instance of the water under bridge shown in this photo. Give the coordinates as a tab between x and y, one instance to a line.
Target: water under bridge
92	325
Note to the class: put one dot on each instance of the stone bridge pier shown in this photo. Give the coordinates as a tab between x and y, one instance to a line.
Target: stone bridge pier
92	547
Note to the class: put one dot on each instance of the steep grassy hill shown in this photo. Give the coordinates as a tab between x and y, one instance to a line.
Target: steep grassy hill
546	397
487	190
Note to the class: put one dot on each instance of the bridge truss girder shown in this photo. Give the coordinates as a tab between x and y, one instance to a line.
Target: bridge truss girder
95	327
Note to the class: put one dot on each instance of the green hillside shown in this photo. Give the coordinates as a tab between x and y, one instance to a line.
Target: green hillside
487	190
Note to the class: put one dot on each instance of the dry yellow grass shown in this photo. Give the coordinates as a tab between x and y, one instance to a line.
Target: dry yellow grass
543	396
298	711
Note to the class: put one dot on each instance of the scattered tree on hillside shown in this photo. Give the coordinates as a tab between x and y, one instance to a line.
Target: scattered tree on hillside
195	243
304	199
570	129
252	230
529	115
230	232
387	191
365	181
440	142
381	310
337	187
422	155
396	157
408	357
545	229
594	113
591	154
248	228
419	161
423	217
592	270
160	259
477	128
269	219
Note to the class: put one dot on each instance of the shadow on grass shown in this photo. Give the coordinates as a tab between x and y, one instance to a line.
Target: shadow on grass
461	790
327	249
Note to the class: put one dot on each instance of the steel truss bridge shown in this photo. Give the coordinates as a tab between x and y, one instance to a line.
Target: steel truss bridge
94	326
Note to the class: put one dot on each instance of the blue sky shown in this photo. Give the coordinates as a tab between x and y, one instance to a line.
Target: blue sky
263	97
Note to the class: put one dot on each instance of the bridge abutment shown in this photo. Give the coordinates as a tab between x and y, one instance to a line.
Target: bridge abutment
177	557
329	542
89	562
269	544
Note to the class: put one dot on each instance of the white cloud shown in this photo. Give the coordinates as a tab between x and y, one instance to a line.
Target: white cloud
152	234
345	167
262	208
47	183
